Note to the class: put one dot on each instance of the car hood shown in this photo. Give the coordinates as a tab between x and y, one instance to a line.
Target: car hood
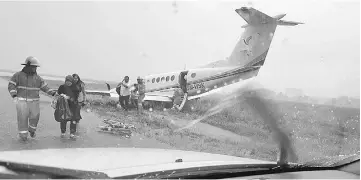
117	162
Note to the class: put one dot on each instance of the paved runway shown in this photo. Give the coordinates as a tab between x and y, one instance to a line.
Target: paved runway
48	132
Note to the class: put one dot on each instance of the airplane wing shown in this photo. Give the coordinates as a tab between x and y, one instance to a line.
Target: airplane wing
157	98
94	92
165	95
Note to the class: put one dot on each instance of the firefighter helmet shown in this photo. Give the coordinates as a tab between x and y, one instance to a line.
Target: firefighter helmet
31	61
139	78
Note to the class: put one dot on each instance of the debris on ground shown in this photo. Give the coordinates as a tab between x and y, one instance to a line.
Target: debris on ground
118	128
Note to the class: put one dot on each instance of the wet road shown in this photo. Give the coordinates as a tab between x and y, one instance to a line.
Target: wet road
48	132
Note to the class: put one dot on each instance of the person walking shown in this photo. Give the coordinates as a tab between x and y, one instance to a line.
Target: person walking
79	88
67	91
141	93
24	87
134	96
124	93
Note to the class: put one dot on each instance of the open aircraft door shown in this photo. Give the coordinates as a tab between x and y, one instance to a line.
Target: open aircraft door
182	80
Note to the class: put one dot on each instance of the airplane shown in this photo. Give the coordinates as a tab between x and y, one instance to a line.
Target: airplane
245	61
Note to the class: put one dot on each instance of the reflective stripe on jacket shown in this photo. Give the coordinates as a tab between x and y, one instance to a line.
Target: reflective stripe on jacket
27	86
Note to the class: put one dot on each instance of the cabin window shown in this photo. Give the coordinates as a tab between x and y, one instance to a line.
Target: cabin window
153	80
172	78
162	79
167	78
158	79
193	75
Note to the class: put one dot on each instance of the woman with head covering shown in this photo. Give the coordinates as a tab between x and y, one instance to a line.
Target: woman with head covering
66	90
79	90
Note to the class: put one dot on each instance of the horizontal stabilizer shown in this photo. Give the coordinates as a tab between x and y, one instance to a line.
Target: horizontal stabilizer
287	23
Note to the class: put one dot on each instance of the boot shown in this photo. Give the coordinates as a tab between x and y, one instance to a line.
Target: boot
32	134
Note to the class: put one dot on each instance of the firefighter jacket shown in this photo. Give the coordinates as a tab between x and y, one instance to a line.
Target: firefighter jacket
26	86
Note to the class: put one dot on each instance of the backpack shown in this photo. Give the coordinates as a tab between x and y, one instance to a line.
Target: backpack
118	90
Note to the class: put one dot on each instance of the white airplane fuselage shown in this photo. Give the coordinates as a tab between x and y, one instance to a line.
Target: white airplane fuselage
198	81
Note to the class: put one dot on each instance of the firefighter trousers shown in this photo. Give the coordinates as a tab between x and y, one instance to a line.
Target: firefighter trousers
28	114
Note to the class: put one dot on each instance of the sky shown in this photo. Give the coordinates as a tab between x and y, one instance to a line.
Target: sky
108	40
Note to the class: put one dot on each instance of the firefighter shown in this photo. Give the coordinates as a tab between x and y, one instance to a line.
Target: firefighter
24	88
141	92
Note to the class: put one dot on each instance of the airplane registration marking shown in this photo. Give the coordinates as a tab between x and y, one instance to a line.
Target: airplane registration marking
196	86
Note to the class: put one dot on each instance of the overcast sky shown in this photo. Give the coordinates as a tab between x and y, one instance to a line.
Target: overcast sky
108	40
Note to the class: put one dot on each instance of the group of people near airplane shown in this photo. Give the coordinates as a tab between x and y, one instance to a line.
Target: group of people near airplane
24	87
131	95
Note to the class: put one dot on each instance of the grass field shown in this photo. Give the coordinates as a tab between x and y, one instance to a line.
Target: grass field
318	131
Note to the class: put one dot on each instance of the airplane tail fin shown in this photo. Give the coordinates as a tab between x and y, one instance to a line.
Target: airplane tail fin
253	46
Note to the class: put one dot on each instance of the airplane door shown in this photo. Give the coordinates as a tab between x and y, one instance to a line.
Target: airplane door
183	81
